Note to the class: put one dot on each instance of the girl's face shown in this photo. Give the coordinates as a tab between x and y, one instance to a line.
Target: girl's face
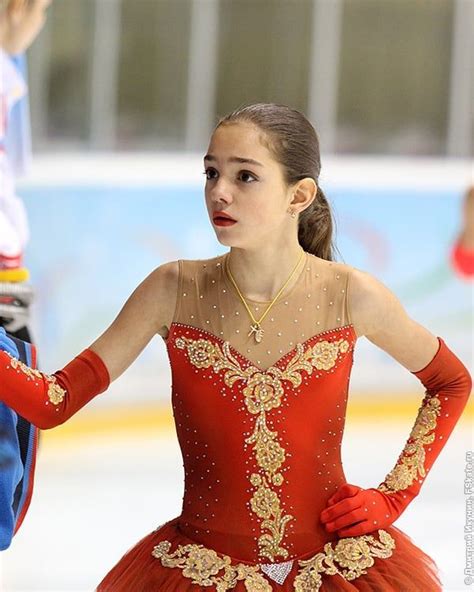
245	181
24	21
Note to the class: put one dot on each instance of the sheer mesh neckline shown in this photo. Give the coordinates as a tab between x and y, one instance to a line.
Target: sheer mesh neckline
236	352
283	295
314	304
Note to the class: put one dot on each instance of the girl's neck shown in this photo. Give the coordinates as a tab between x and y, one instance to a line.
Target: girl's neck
261	274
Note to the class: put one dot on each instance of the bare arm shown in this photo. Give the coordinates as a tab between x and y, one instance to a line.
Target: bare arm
49	400
378	314
149	310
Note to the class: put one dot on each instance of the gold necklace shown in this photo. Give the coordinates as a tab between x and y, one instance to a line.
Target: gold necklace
256	329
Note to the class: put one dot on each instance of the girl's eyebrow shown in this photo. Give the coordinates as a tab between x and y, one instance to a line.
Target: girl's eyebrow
210	158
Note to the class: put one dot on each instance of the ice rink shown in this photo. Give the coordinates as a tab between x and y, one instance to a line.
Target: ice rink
124	96
97	494
114	473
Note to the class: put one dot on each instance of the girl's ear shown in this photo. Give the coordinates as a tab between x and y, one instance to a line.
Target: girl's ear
305	191
16	10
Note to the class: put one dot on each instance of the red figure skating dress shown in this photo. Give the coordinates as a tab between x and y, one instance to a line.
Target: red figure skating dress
260	428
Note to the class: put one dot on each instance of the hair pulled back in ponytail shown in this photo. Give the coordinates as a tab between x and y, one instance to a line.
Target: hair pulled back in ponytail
294	143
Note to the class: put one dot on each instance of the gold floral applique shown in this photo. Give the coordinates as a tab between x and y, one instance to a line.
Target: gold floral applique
204	566
350	559
263	392
55	393
411	462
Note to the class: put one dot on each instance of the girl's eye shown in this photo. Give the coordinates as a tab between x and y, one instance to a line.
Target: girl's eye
207	171
247	174
244	175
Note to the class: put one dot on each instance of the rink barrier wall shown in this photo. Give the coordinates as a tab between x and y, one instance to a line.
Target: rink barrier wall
158	419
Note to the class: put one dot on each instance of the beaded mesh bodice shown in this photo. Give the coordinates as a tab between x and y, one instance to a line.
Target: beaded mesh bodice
260	424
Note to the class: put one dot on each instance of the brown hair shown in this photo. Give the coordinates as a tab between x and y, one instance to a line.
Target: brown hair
294	143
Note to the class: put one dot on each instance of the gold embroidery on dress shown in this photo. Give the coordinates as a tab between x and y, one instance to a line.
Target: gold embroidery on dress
350	559
263	392
203	565
411	462
55	393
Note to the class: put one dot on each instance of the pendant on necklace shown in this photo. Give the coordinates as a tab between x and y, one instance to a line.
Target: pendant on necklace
257	331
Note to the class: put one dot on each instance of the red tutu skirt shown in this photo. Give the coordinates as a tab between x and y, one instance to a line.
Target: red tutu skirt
167	561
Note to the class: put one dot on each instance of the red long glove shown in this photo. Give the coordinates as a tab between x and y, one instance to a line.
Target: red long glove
354	511
49	400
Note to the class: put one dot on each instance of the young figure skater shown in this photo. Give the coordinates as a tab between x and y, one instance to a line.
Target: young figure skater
261	343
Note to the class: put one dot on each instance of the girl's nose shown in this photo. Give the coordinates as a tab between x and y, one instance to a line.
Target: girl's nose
221	191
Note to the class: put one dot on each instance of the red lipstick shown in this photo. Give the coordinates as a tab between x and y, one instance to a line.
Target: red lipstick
222	219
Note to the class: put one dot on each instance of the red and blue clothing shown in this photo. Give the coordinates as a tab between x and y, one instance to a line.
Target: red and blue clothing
18	447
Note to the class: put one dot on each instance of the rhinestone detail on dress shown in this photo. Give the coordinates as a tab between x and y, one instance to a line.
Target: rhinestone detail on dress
277	571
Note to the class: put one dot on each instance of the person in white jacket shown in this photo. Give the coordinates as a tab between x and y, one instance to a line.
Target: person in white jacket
20	23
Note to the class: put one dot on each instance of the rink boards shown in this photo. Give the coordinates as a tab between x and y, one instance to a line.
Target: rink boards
101	223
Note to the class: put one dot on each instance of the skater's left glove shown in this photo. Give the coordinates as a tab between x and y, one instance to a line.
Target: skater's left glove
354	511
7	344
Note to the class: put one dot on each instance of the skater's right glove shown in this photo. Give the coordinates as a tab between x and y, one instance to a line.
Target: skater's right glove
49	400
7	344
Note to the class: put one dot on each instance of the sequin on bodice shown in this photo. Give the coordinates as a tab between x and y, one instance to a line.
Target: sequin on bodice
260	424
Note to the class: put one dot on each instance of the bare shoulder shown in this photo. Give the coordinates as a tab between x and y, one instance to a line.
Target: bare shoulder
147	311
165	288
164	285
368	300
378	314
154	299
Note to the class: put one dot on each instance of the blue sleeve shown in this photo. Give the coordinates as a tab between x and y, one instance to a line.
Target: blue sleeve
18	445
11	472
